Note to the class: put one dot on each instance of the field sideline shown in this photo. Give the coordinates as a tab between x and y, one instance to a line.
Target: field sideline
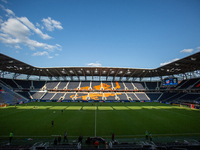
125	120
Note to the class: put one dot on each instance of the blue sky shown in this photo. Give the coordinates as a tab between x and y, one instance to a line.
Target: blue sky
107	33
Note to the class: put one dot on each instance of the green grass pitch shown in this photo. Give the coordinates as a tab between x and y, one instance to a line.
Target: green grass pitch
100	119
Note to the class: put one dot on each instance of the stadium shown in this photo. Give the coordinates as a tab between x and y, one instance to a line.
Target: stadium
40	104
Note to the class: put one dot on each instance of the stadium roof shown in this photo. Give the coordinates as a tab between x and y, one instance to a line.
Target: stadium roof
188	64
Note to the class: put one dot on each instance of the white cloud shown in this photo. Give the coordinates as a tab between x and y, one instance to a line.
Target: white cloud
32	27
37	24
97	64
4	1
198	47
16	31
165	63
44	53
9	12
50	24
187	50
56	54
17	47
17	51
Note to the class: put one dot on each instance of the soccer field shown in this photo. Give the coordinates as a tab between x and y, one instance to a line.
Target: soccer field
98	119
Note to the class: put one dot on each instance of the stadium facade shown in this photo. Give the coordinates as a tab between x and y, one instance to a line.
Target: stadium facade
174	82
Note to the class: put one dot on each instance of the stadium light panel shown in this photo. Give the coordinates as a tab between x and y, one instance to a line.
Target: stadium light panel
176	64
112	72
120	72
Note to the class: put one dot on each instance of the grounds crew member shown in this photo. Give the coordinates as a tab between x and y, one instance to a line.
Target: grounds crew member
11	135
146	135
150	136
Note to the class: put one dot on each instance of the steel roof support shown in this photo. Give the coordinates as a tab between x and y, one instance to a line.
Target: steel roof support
84	73
28	76
59	74
16	75
76	73
132	74
116	73
108	74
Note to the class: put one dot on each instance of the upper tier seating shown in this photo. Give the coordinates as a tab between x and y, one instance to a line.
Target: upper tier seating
181	83
197	85
139	85
129	85
96	85
38	84
62	85
106	85
85	85
9	82
50	85
73	85
23	83
118	85
151	85
189	83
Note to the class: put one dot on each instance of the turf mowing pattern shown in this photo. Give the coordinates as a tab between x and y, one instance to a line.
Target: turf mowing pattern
100	119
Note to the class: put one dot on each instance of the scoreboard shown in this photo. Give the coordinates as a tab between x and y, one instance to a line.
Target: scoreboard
170	82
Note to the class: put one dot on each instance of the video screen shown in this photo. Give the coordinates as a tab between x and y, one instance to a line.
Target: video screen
170	81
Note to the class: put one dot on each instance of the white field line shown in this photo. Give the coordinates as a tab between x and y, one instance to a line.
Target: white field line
11	113
178	134
177	113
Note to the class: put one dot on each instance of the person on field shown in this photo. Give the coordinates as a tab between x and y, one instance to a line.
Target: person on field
150	136
65	137
52	123
80	138
11	136
55	141
146	135
96	144
113	136
59	139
